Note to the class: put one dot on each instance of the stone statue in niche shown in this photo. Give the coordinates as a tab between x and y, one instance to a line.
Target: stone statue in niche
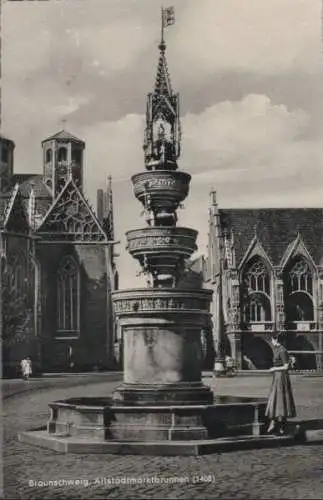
149	338
158	304
135	306
163	146
148	211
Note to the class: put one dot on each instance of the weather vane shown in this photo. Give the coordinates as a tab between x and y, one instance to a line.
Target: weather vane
167	19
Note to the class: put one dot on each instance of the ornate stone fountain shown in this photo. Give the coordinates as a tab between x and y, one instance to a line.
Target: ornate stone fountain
162	406
162	324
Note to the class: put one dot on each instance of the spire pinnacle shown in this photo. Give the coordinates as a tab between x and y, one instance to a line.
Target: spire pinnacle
163	83
109	207
213	197
163	131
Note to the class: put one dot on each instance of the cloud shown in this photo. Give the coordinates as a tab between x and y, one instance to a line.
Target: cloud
245	69
108	49
250	35
252	151
241	135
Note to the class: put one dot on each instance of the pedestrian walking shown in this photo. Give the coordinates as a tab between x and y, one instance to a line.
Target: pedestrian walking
292	362
229	366
26	368
281	403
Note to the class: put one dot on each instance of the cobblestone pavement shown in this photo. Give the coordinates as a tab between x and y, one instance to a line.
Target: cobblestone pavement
295	472
11	387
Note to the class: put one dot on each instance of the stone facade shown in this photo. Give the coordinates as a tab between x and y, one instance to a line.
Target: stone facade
58	266
272	281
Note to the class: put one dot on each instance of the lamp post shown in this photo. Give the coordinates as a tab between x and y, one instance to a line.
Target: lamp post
2	264
219	364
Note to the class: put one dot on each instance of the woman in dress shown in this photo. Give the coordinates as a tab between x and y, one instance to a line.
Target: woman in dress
280	404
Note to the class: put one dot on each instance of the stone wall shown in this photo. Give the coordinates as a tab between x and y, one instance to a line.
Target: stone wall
19	296
91	350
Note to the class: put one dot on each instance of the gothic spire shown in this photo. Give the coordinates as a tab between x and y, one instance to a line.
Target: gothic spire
163	83
162	133
110	208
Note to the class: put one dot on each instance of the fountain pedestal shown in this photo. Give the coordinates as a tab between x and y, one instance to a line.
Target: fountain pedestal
162	364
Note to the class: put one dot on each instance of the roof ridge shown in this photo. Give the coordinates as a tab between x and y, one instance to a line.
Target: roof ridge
10	203
64	135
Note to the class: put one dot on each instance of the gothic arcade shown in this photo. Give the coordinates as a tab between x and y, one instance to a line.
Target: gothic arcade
272	280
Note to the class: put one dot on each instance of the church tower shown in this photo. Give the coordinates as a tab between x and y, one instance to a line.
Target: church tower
6	162
62	159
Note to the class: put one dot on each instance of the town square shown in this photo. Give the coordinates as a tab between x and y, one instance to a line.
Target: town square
288	472
161	252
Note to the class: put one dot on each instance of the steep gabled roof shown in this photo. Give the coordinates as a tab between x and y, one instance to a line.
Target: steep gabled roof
15	216
276	229
255	248
296	248
28	181
4	201
70	217
63	135
43	197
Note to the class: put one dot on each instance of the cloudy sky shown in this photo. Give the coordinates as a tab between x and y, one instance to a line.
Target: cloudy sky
249	73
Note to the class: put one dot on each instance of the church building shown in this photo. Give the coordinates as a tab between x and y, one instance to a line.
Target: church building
57	262
271	264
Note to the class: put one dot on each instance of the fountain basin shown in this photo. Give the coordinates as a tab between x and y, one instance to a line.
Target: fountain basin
96	425
100	419
166	188
162	248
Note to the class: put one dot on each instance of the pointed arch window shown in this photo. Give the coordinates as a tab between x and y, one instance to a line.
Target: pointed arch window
258	308
62	153
49	155
300	277
76	156
257	291
68	296
17	273
256	277
298	288
4	154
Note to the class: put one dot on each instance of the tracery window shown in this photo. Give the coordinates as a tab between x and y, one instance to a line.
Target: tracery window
256	277
258	308
68	295
298	286
256	285
300	277
17	273
73	216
